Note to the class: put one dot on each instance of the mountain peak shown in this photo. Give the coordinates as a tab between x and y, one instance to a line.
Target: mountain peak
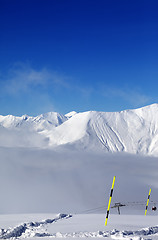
70	114
133	131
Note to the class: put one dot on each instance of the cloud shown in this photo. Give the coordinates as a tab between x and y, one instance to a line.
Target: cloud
42	180
23	78
24	89
36	90
133	96
41	88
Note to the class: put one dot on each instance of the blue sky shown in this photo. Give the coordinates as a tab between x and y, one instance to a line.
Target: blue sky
64	55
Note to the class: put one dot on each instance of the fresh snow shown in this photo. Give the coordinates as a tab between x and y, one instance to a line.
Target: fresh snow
83	226
70	114
131	131
28	229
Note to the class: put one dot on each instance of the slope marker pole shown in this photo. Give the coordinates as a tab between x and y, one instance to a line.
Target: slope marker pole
107	214
147	202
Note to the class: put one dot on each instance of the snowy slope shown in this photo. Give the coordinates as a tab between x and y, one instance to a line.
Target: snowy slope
24	131
47	120
80	226
131	131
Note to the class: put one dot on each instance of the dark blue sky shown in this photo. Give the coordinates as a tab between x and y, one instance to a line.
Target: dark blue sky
64	55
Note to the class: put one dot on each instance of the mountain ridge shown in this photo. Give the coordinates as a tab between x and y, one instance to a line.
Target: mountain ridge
133	131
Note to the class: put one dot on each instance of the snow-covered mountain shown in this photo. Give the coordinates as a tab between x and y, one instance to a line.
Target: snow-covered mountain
132	131
39	172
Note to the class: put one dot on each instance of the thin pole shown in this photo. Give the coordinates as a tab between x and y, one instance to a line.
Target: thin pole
147	202
107	214
118	210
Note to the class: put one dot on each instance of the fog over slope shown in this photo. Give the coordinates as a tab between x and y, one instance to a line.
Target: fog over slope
34	180
131	131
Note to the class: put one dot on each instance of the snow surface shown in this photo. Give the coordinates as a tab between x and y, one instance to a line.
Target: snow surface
80	226
70	114
131	131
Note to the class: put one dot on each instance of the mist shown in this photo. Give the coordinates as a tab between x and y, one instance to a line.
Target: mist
33	180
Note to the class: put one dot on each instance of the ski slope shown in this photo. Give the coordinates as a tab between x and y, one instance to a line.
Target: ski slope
79	226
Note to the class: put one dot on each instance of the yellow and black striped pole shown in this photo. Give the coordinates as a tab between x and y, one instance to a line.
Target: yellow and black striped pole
107	214
147	202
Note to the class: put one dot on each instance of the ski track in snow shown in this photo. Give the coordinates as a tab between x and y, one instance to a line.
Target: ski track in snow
38	230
